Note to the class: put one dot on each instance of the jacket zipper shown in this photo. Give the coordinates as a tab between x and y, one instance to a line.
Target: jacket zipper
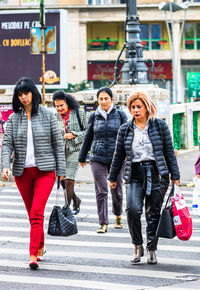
154	152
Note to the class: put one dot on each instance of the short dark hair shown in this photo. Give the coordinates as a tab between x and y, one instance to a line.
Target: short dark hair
69	99
26	85
105	89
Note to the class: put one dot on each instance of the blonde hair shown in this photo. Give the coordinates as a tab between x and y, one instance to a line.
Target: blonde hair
146	100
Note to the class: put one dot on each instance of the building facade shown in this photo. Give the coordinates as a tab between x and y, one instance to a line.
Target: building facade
95	35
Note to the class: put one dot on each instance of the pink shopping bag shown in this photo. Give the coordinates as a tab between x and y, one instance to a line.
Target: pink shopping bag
181	216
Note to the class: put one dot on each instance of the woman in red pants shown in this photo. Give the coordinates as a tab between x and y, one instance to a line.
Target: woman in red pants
33	135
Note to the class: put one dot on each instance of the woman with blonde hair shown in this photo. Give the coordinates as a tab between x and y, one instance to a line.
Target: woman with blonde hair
145	141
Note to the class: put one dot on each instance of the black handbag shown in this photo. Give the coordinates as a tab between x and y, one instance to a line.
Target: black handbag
166	227
61	221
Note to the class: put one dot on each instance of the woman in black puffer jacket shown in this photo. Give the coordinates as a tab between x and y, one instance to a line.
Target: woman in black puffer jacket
100	140
146	143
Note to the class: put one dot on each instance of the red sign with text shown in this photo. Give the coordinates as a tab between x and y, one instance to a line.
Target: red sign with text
162	70
105	70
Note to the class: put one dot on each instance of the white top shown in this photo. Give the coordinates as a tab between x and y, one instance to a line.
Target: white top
142	147
30	157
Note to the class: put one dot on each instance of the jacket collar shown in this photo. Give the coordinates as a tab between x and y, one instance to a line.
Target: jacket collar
131	123
98	114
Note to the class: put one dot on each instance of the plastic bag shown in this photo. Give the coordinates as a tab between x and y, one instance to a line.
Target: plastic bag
196	197
181	216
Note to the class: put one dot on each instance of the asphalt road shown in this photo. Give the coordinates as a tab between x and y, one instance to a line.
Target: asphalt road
89	260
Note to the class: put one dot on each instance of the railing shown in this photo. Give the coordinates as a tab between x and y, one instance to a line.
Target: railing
153	44
116	44
103	44
191	43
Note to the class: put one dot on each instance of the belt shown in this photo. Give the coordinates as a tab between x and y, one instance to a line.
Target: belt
146	174
145	162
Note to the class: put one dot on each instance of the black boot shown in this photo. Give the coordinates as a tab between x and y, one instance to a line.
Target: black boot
138	253
76	208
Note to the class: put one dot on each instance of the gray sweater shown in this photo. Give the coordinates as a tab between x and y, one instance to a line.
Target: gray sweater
47	139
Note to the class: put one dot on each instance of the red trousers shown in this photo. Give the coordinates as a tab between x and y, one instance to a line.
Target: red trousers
35	187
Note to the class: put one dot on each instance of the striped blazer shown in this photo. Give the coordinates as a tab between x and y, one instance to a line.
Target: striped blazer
48	143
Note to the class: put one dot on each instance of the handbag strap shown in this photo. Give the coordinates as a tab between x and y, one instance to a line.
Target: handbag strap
61	182
79	119
170	195
57	191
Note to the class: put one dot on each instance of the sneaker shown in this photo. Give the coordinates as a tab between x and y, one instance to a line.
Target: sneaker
102	229
118	223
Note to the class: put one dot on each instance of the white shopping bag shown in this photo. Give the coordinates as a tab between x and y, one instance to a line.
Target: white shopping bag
196	197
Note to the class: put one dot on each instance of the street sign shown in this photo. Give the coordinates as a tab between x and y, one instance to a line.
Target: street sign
193	85
49	40
15	45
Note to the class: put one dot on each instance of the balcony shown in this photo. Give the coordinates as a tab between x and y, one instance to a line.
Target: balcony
103	44
116	44
191	43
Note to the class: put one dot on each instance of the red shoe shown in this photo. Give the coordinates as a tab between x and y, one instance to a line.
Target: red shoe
33	265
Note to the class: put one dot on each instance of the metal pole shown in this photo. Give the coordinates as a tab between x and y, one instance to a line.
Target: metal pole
134	69
43	65
179	45
42	23
174	97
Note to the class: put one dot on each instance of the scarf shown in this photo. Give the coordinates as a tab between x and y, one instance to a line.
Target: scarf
103	112
65	119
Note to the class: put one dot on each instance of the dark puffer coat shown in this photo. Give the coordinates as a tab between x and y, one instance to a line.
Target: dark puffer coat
101	136
161	140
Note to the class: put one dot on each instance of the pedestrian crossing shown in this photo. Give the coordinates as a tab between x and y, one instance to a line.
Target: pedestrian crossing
89	260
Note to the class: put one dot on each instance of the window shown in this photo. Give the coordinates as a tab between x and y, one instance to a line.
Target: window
191	0
150	36
191	38
99	2
155	35
144	35
30	2
3	2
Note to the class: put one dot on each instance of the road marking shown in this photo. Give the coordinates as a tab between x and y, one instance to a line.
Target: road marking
50	205
80	215
53	199
102	270
67	282
78	243
115	234
115	257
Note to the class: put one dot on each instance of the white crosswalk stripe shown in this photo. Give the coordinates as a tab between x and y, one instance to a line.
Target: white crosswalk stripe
89	260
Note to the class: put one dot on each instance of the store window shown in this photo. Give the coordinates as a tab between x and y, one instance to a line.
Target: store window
191	38
151	35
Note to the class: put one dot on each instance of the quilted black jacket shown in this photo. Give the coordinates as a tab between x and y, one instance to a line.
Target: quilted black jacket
161	140
101	136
